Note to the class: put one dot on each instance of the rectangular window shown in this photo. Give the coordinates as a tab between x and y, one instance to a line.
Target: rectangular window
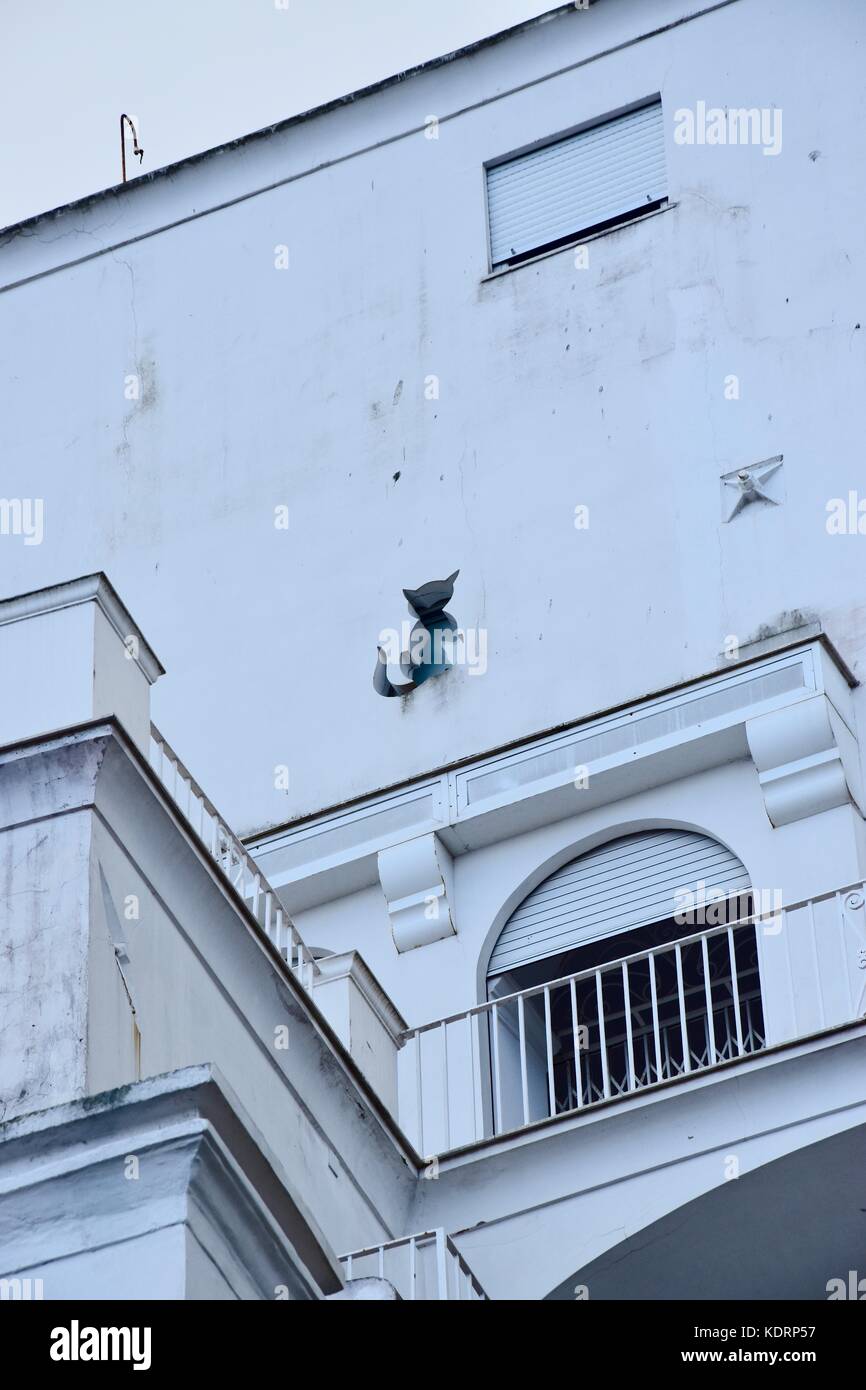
598	178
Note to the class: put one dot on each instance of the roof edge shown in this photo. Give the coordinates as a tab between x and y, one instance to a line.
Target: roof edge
264	132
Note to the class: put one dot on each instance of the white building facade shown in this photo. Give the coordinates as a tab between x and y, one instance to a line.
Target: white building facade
541	974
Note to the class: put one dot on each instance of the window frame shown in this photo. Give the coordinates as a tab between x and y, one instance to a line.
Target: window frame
580	235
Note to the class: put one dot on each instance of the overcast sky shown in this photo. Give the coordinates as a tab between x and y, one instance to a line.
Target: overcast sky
195	72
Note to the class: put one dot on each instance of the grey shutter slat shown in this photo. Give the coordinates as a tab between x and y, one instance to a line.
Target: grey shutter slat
618	887
576	183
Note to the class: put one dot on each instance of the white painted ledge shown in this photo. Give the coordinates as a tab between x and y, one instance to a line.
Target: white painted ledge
351	965
77	655
158	1190
363	1018
91	588
660	739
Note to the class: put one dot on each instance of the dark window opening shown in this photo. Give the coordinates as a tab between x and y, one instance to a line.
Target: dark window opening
682	1005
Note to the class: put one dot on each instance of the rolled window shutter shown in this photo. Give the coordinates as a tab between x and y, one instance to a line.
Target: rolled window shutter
618	887
572	185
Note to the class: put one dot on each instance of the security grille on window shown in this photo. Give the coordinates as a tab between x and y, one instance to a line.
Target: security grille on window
584	183
631	965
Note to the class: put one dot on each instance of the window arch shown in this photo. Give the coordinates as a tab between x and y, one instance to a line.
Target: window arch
652	979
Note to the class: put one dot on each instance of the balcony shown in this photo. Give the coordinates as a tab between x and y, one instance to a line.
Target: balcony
571	1120
427	1266
710	1000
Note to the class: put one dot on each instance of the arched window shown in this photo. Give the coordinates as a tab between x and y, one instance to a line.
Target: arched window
653	978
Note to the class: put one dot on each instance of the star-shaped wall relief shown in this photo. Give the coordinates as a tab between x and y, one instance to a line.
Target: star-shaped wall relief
751	484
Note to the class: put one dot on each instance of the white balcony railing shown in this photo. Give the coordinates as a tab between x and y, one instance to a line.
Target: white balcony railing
233	859
717	996
425	1266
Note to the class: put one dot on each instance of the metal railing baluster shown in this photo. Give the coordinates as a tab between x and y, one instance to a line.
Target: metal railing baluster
628	1032
687	1060
575	1036
477	1111
521	1043
655	1012
446	1095
602	1039
419	1091
708	989
735	991
497	1074
548	1038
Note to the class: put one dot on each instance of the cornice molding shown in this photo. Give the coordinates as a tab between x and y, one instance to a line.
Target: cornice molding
90	588
656	739
214	1172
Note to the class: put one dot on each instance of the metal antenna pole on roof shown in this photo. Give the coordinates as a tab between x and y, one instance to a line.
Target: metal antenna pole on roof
136	148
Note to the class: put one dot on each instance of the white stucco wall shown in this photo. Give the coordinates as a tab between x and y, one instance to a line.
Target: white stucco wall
255	388
558	387
205	991
44	979
164	1189
126	956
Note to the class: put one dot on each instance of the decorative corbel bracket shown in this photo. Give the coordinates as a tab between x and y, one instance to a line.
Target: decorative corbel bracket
416	878
806	757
